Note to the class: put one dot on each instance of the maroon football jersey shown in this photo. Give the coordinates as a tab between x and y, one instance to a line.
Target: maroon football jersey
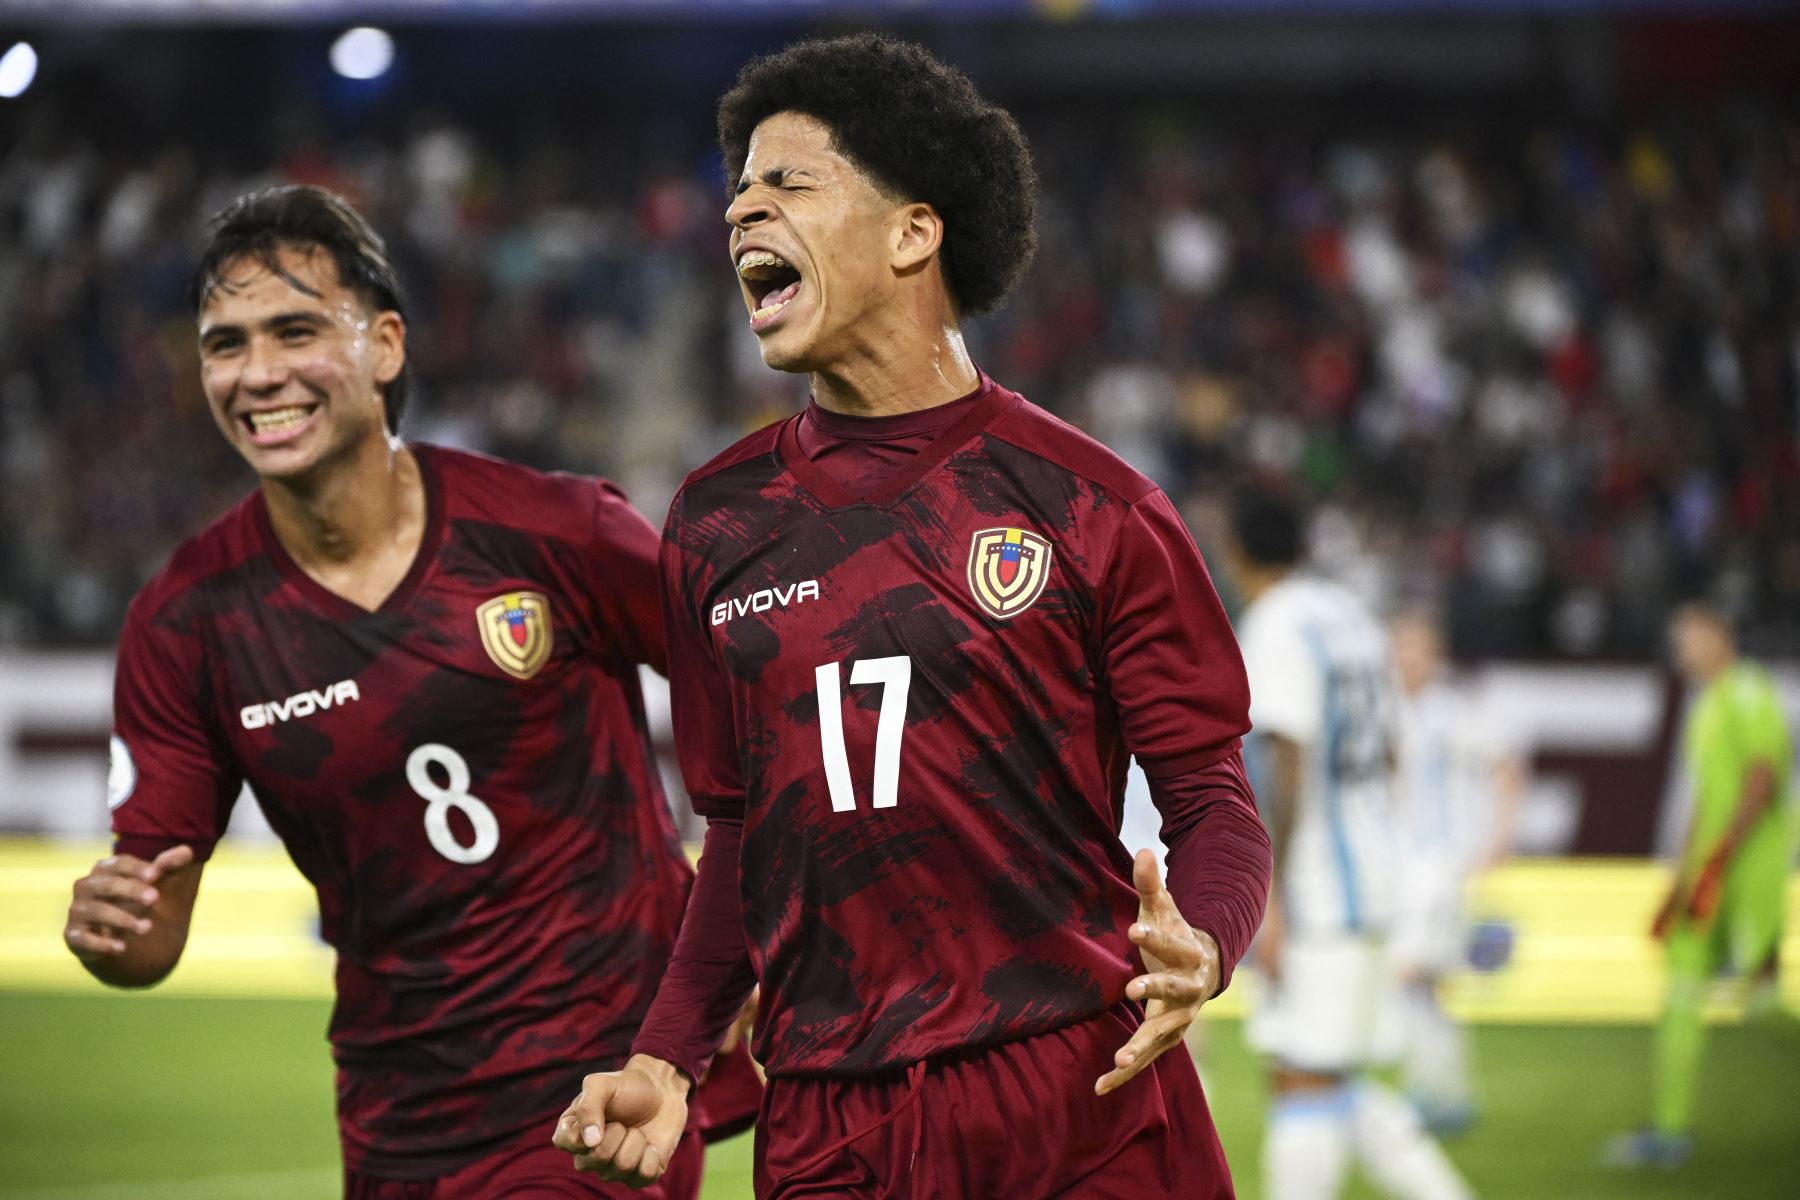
922	704
464	776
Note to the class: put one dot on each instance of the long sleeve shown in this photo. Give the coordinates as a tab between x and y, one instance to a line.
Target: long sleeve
1168	656
1219	862
1174	670
710	975
172	781
706	737
625	562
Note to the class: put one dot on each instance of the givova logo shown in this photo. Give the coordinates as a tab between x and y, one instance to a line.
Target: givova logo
302	704
764	599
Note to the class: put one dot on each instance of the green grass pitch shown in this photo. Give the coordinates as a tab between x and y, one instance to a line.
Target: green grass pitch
109	1097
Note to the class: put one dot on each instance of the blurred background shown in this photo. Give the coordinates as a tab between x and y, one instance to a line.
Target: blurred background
1509	290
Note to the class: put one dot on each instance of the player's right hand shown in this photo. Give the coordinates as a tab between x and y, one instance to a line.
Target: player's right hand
115	898
624	1125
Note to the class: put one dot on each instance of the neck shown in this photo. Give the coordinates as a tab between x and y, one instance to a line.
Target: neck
354	509
1255	580
1416	685
902	376
1716	667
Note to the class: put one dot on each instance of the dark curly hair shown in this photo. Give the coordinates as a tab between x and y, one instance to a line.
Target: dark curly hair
259	225
919	130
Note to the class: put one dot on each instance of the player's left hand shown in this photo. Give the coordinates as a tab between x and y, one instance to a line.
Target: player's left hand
1182	966
1703	900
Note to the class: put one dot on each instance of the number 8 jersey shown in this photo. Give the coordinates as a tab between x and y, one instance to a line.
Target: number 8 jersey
464	776
922	704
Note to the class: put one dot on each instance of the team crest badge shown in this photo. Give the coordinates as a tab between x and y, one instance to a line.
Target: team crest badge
1007	570
515	628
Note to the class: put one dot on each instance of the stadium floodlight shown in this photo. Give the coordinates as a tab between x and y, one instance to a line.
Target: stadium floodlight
362	53
18	67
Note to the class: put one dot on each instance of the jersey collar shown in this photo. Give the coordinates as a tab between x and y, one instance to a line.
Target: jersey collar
993	399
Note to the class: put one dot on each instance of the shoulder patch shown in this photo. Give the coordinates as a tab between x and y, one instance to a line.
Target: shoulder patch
121	773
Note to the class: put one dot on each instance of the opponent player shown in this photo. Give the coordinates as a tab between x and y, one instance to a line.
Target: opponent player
1461	785
424	663
916	632
1322	700
1724	908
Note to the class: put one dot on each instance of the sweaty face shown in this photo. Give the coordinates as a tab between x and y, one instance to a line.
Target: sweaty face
811	244
293	363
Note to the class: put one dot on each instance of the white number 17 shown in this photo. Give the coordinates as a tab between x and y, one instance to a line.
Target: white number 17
895	676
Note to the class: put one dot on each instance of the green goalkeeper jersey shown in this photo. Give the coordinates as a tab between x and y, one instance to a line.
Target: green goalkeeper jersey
1736	723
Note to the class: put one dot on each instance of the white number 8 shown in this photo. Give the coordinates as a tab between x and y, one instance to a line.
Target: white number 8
440	800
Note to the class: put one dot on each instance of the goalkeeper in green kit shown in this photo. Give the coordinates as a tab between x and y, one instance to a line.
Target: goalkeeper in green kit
1724	908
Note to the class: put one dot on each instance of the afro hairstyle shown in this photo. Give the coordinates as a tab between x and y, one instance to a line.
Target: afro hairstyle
917	128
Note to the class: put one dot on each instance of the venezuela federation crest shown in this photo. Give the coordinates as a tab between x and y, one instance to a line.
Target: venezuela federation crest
1007	570
515	629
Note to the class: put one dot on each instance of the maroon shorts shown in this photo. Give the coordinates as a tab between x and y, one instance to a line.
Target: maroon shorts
1018	1121
530	1168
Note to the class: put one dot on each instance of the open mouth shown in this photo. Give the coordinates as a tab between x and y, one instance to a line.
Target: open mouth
272	426
772	283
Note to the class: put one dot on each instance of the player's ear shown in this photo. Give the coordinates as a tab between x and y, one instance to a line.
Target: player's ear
387	341
918	234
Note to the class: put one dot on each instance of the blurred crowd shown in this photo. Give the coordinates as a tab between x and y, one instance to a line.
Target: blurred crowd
1540	377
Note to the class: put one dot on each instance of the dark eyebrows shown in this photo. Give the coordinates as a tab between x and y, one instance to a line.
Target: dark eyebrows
212	333
772	177
302	316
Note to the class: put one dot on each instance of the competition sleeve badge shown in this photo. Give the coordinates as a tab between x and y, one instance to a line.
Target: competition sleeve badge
515	628
1007	570
121	773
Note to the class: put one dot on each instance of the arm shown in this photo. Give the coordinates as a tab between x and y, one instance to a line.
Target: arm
1281	800
710	976
1172	668
625	1124
1676	898
1219	854
1280	805
1511	779
171	790
1754	798
1192	931
626	579
1758	732
128	922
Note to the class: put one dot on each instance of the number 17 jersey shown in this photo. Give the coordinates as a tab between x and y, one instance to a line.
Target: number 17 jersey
922	703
